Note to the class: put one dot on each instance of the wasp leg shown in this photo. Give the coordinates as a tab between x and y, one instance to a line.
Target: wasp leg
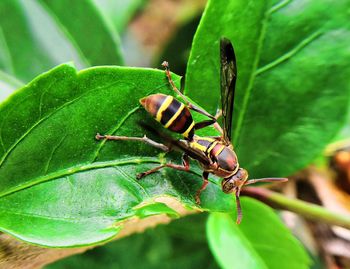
184	167
238	205
165	64
203	124
144	139
213	122
203	187
216	124
248	182
218	127
191	106
218	113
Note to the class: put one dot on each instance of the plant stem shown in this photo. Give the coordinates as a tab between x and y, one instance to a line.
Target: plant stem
305	209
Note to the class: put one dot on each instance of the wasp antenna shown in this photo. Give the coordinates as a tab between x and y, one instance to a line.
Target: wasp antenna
268	179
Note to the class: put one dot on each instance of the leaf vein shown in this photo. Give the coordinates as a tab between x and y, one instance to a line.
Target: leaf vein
47	166
118	126
133	181
42	98
306	41
279	6
114	129
36	124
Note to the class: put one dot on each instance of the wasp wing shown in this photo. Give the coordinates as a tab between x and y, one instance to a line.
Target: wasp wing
228	76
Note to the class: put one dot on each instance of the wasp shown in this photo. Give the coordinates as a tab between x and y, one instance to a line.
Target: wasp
215	155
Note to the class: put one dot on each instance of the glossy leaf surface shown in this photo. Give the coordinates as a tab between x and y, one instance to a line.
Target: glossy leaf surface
292	89
261	241
56	177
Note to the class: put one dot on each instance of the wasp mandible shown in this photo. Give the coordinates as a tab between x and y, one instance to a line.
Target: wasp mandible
215	155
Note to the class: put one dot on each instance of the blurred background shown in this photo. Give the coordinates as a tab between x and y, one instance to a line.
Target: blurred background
140	33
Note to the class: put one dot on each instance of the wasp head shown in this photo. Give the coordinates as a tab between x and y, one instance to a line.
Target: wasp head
230	184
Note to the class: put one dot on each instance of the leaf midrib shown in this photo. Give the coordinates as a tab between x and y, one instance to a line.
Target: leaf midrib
60	218
249	89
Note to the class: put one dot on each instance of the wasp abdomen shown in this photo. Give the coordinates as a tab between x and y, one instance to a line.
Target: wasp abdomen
173	114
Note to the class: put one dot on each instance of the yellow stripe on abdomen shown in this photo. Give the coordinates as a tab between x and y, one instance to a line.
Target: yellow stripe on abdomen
174	117
185	133
163	107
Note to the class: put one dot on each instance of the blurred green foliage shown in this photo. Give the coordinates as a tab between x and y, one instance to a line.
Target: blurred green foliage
181	244
265	242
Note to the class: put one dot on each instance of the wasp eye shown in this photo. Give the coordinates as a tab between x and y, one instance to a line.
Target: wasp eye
227	185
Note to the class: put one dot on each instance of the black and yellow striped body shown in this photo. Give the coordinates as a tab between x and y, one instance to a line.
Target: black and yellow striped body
218	153
171	113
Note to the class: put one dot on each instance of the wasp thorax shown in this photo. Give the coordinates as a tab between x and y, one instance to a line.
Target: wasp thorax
229	184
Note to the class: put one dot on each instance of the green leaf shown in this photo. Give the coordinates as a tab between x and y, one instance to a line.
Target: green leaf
100	42
74	190
292	90
180	244
261	241
154	209
119	11
36	36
